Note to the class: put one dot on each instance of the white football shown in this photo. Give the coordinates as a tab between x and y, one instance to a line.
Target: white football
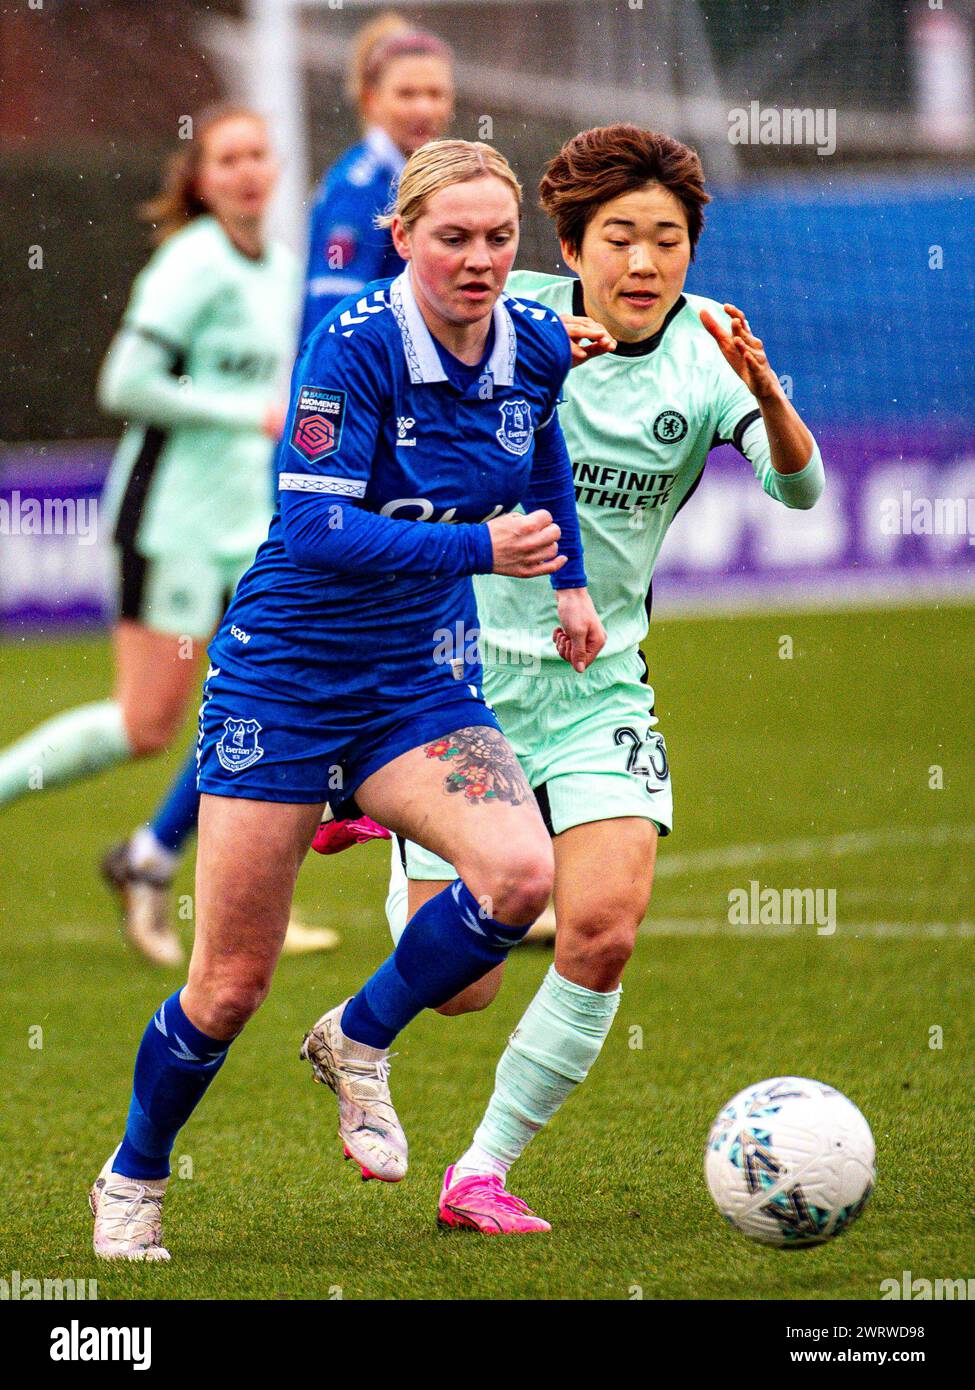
790	1162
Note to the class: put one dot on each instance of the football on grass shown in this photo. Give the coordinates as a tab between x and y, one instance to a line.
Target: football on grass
790	1162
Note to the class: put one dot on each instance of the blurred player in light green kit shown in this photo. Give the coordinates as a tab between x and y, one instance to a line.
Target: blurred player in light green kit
198	371
667	376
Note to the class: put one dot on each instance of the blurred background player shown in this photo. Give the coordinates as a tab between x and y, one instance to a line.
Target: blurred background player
197	371
401	82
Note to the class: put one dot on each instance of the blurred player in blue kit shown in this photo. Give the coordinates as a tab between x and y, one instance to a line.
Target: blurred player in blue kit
401	83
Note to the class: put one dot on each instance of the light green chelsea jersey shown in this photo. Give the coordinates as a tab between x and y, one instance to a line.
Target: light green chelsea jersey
203	351
639	423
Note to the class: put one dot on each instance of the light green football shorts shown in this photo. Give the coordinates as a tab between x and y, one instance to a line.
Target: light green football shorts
588	744
182	594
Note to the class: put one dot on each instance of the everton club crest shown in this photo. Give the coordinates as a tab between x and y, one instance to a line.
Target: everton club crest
238	747
517	429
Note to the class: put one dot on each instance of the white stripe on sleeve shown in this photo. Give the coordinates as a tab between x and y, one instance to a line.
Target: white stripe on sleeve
321	482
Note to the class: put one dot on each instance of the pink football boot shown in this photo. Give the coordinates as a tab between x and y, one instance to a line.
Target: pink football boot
481	1203
333	836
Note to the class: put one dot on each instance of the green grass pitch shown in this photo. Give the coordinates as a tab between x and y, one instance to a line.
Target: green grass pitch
813	771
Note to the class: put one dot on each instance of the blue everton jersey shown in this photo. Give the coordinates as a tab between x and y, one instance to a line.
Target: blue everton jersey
346	250
384	422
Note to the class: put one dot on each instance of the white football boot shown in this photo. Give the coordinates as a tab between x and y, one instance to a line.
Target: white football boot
368	1124
301	940
144	897
128	1216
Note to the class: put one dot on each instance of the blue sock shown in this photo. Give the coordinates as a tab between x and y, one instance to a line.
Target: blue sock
176	818
174	1066
446	946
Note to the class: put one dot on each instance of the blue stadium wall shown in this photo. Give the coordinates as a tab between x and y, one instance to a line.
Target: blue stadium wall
836	278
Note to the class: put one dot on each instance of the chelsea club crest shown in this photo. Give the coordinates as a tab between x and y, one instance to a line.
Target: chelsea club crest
238	746
516	430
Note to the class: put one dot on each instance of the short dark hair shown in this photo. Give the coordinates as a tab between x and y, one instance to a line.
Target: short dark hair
598	165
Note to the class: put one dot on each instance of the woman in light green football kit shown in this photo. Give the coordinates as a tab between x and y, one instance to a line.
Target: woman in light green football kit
666	376
197	370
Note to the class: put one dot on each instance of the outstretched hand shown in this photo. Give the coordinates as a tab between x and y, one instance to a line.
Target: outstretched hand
743	352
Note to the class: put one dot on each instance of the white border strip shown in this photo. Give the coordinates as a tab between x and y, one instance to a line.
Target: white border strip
907	931
734	598
810	847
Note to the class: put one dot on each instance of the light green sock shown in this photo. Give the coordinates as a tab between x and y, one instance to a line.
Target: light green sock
548	1054
69	746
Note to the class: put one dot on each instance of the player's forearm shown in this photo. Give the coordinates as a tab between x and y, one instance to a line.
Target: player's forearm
793	472
789	439
136	383
551	487
329	533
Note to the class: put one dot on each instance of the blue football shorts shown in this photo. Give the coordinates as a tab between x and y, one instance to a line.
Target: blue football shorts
304	752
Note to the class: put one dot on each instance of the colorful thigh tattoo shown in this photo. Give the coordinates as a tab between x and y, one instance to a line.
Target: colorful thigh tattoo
482	766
